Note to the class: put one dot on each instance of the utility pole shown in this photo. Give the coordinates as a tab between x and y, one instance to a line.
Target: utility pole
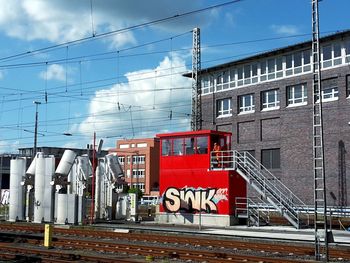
196	117
92	209
36	127
320	203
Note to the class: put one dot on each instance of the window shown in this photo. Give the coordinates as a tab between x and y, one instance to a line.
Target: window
270	99
202	145
329	94
219	82
121	159
232	78
128	158
138	173
247	74
240	76
297	63
331	55
128	173
140	186
337	54
306	60
225	80
178	145
224	108
263	71
138	159
166	147
246	103
196	145
255	73
207	84
297	95
347	51
270	158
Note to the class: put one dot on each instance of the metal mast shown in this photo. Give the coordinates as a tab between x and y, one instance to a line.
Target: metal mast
320	214
196	117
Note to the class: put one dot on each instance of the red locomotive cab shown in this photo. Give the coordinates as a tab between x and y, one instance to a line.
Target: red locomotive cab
188	186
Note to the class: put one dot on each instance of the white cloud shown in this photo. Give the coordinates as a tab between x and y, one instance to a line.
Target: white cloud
2	74
64	20
9	146
54	72
285	29
145	103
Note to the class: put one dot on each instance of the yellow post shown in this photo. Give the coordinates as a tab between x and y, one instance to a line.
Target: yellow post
48	236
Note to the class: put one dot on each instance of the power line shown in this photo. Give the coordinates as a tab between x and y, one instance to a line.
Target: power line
118	31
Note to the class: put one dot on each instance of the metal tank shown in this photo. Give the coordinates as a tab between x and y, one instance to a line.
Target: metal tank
66	209
43	199
17	172
66	162
121	206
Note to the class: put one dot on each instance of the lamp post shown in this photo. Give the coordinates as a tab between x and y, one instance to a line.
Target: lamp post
36	126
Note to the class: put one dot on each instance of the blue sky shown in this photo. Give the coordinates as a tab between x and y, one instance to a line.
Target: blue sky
127	85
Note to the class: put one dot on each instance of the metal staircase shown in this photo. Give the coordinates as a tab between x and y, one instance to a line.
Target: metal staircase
263	181
254	212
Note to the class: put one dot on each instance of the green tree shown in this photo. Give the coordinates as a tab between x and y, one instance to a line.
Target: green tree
136	191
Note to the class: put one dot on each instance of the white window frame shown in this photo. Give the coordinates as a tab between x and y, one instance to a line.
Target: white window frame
121	159
270	105
232	73
291	99
138	173
243	108
333	60
138	159
221	112
332	92
140	186
347	50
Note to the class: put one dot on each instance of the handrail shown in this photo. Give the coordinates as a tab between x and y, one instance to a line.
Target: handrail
272	187
251	210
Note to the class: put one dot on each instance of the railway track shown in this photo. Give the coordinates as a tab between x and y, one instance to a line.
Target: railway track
141	245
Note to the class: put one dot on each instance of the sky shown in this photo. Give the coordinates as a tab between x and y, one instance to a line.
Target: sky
116	67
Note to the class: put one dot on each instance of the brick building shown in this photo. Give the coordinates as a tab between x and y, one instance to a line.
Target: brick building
140	161
266	102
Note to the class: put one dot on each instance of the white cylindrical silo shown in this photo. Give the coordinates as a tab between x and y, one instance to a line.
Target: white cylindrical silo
31	168
17	172
66	162
62	214
39	189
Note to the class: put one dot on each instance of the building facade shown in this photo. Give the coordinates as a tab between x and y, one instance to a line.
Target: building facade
266	102
139	159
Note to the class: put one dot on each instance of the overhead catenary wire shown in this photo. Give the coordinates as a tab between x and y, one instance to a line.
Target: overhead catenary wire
71	91
118	31
85	57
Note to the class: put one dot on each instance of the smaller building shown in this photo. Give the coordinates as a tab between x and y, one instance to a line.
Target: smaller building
56	151
139	159
191	192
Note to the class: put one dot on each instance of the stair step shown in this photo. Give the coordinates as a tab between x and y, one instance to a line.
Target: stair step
319	200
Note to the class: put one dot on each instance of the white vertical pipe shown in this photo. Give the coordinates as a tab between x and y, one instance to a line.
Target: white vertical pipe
17	172
39	189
